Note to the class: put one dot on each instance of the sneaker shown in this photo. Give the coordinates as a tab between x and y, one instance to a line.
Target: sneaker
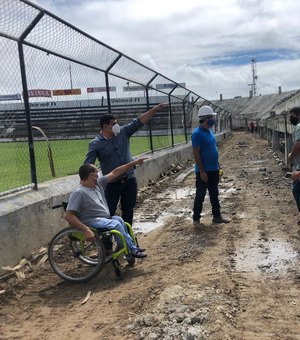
220	219
139	254
196	223
140	249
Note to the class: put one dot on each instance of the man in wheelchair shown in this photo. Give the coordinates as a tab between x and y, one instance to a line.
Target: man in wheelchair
88	207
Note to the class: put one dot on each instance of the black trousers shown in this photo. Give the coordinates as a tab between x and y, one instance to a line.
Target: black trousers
124	191
213	188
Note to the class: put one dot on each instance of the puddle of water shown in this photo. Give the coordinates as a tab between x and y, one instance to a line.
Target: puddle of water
183	193
146	227
226	184
231	190
259	161
227	191
178	194
183	175
271	257
241	215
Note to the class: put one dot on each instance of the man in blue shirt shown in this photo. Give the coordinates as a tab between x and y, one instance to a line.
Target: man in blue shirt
112	148
206	166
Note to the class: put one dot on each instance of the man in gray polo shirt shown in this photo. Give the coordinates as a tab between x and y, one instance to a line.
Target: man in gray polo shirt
112	148
87	205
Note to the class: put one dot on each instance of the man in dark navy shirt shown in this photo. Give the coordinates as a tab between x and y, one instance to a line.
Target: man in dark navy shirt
112	148
206	166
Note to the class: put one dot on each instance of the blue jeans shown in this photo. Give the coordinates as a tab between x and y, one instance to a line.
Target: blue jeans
296	193
126	191
116	223
201	187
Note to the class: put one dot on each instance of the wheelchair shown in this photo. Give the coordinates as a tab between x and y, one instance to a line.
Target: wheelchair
76	259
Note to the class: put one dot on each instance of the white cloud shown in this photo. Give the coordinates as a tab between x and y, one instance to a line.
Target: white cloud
200	42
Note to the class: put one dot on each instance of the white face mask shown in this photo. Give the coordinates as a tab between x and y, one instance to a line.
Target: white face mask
116	129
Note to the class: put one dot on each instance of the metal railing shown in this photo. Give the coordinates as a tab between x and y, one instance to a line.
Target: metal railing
56	81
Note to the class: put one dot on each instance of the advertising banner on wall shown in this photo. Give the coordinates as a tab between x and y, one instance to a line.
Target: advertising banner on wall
100	89
16	96
168	86
126	101
133	88
39	93
66	92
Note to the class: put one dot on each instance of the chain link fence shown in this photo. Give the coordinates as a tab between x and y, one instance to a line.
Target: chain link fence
56	82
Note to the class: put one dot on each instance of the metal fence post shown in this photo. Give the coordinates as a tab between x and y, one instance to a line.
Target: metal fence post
26	99
184	116
148	108
107	82
28	117
149	124
171	117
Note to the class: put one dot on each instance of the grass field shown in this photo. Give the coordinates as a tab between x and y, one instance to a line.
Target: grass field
68	155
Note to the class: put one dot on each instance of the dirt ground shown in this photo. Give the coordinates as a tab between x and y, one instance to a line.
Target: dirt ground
230	281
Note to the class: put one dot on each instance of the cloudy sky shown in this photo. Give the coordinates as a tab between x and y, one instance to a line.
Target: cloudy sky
208	44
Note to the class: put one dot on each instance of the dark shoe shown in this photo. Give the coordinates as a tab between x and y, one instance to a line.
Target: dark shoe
196	223
140	249
108	252
220	219
139	254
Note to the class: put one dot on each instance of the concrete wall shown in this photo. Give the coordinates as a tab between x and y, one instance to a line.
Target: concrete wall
27	221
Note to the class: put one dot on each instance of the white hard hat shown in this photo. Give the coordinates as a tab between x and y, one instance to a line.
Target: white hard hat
206	111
